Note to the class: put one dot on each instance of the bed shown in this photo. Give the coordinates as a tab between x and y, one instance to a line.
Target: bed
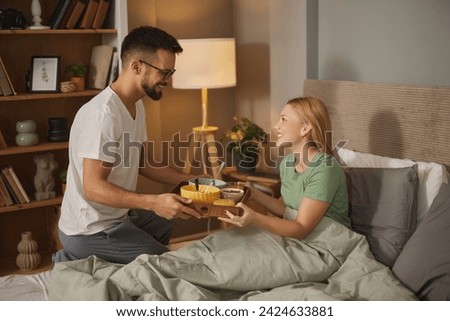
395	155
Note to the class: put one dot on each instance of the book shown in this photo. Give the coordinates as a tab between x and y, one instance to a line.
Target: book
58	13
13	196
3	144
14	186
5	82
21	189
100	14
264	177
99	66
89	14
75	14
4	193
68	13
114	69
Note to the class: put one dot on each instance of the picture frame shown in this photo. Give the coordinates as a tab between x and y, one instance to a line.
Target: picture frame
44	73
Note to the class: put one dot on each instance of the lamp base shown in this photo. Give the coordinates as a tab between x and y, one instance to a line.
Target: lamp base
203	136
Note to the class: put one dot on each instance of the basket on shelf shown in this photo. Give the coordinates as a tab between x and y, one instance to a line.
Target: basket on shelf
68	87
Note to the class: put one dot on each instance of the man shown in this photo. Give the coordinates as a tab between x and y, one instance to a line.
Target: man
105	144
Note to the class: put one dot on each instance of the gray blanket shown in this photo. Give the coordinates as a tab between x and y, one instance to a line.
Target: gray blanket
333	263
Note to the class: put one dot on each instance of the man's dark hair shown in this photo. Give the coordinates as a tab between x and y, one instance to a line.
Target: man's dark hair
147	39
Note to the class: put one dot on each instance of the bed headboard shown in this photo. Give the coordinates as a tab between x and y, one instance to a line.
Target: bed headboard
402	121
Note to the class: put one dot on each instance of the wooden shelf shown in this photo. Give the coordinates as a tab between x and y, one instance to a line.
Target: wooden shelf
41	147
57	31
35	96
32	204
8	266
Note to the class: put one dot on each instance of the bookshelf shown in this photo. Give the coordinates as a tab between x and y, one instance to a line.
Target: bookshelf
16	49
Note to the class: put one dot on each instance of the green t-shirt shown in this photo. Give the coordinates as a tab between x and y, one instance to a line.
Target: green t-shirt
323	180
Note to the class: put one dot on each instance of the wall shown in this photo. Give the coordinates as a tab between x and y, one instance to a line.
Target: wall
386	41
274	57
253	59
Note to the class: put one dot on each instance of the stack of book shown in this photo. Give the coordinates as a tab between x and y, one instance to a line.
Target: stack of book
11	190
83	14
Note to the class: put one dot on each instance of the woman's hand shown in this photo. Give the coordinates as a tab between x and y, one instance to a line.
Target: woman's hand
248	217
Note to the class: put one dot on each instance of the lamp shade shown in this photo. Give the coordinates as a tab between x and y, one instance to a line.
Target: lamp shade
205	63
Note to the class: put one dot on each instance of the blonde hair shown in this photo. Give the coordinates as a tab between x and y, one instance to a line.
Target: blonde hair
314	112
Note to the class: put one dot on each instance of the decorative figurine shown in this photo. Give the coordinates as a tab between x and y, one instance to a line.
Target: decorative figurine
36	12
44	182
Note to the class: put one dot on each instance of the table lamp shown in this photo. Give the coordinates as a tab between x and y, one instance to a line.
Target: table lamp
205	64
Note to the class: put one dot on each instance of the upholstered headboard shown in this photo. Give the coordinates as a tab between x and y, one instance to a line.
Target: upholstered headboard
402	121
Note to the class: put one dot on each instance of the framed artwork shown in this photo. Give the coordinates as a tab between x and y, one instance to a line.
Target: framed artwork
44	73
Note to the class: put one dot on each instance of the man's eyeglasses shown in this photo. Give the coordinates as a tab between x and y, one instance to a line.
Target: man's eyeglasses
166	72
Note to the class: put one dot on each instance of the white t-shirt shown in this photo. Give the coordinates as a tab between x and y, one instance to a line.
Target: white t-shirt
103	129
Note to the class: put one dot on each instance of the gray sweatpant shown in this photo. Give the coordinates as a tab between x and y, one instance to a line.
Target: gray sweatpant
143	232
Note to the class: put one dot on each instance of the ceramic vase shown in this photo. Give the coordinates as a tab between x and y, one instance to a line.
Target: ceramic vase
36	11
28	258
26	135
79	82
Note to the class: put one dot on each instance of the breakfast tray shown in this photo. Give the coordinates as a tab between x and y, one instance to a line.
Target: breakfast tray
211	210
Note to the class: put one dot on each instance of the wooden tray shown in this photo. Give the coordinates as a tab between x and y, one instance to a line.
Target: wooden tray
211	210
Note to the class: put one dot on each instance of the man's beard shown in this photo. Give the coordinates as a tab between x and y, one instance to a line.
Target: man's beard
152	93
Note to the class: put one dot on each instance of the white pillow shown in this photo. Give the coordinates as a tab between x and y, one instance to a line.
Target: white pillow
431	175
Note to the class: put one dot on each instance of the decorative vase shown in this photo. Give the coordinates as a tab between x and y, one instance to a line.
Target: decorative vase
28	258
26	133
79	83
36	11
246	164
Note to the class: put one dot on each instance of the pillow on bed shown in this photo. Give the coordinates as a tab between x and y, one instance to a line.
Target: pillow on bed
424	264
431	175
383	208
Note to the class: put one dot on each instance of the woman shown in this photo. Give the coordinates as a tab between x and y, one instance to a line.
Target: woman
313	184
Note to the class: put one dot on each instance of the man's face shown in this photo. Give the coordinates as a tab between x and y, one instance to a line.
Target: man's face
158	73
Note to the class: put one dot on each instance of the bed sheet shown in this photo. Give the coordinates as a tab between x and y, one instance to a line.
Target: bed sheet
25	287
333	263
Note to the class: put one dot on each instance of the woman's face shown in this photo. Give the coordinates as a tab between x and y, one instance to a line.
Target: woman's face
289	128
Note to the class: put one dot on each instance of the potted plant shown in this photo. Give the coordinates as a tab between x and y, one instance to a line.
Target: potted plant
243	141
62	177
78	71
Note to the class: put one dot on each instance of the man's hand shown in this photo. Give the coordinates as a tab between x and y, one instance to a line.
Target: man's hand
171	206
